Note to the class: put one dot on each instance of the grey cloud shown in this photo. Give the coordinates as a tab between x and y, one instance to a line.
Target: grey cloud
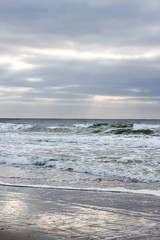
128	27
118	23
93	79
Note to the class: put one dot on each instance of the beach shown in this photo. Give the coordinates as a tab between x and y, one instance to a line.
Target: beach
79	179
38	214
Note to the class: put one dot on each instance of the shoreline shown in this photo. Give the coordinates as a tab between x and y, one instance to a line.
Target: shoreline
38	214
115	189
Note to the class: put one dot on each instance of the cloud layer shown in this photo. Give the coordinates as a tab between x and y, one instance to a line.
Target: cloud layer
80	59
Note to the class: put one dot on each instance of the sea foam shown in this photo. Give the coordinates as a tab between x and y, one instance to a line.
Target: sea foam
11	127
145	127
114	190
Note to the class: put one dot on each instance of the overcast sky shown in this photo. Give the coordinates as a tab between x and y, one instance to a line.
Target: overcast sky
80	58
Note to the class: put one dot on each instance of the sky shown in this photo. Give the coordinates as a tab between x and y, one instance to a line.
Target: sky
80	59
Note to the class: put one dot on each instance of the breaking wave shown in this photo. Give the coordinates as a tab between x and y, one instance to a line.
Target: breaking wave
146	127
11	127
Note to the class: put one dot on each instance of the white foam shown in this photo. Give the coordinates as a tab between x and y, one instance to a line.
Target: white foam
82	125
13	127
112	140
145	127
114	190
134	141
109	130
56	127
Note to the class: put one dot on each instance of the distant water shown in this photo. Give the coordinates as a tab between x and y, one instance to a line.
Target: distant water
58	152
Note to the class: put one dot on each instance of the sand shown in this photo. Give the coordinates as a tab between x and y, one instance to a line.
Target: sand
48	214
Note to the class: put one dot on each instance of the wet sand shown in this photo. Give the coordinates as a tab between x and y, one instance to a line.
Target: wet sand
48	214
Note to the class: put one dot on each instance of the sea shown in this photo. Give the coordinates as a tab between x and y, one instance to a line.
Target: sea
84	154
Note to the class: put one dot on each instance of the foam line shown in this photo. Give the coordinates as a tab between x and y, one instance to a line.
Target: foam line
115	190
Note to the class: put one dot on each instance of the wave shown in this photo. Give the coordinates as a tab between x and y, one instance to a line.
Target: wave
114	190
118	128
130	131
112	140
83	125
89	128
120	138
11	127
120	168
145	127
90	125
97	125
57	127
122	125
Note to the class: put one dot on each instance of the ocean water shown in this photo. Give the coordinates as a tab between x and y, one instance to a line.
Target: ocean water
119	155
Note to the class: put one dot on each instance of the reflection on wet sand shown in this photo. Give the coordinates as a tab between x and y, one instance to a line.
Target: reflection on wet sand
73	214
84	220
14	211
